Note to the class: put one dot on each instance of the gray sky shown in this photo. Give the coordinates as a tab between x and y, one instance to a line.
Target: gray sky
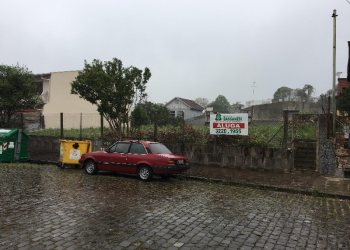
194	48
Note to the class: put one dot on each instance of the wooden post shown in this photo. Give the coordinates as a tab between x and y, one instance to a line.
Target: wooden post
61	125
81	127
285	129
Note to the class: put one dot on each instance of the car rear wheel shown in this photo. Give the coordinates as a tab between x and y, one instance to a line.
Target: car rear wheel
145	173
90	167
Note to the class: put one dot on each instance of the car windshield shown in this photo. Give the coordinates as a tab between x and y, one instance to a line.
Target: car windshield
158	148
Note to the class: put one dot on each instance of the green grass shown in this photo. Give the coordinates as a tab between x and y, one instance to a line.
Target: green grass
88	133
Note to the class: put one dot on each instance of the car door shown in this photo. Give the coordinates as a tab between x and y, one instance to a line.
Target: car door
137	154
115	159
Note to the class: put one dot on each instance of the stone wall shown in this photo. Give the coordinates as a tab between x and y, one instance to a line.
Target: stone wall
326	149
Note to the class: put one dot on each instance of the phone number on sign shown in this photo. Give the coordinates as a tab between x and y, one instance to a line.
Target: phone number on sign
227	131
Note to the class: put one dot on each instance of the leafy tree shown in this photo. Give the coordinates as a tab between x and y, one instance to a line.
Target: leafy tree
139	116
343	100
202	101
236	107
309	90
301	95
150	113
220	104
114	89
282	93
18	91
288	94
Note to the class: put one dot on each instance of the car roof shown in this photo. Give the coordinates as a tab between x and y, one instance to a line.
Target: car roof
140	141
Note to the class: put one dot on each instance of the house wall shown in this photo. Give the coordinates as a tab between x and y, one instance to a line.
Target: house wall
178	106
57	91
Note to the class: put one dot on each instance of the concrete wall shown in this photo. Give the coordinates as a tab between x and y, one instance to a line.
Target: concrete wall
47	148
274	111
236	156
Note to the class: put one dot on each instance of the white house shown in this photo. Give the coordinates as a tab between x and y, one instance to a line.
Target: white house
187	109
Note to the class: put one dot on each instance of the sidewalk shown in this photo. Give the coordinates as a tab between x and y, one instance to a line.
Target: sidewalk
298	181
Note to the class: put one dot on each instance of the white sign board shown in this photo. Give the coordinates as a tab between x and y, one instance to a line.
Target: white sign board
229	124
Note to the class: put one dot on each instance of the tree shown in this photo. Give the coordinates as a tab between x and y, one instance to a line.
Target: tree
150	113
114	89
282	93
343	100
220	104
18	91
236	107
202	101
309	90
301	95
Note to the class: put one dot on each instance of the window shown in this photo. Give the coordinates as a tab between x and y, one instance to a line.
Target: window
180	114
172	113
158	148
137	148
120	147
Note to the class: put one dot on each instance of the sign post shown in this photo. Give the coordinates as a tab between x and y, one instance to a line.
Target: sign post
229	124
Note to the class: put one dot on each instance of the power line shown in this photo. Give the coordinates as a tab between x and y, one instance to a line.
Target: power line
348	1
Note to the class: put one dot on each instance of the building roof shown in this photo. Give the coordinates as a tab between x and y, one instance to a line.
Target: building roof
191	104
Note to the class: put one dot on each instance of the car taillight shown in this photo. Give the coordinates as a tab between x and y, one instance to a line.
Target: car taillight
171	162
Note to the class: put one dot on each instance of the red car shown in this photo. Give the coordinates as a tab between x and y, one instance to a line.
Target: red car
144	158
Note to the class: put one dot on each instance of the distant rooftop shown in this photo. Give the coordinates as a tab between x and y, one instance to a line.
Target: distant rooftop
191	104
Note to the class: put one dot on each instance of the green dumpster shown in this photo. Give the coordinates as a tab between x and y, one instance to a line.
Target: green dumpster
13	145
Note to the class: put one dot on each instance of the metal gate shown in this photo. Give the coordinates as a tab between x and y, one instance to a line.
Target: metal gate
304	140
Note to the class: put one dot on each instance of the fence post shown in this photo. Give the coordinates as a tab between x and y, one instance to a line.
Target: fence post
329	118
61	124
22	121
81	127
101	124
285	129
42	125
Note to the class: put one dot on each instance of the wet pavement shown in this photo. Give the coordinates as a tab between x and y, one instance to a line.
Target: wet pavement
296	181
43	207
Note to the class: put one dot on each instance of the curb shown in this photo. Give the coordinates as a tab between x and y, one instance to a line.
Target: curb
315	193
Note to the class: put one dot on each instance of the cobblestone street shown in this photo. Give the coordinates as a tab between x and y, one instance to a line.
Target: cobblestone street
43	207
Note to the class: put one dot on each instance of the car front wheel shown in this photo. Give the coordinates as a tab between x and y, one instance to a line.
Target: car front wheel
90	167
145	173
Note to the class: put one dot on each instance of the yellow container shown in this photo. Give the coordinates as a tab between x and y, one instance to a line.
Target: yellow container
71	151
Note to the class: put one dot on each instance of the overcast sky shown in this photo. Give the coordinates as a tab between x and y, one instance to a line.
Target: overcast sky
194	48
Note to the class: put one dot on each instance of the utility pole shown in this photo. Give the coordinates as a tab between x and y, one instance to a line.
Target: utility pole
253	87
334	16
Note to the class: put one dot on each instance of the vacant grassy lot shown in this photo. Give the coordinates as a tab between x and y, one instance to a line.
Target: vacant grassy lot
264	134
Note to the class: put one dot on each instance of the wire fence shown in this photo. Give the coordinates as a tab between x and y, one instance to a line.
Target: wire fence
270	133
